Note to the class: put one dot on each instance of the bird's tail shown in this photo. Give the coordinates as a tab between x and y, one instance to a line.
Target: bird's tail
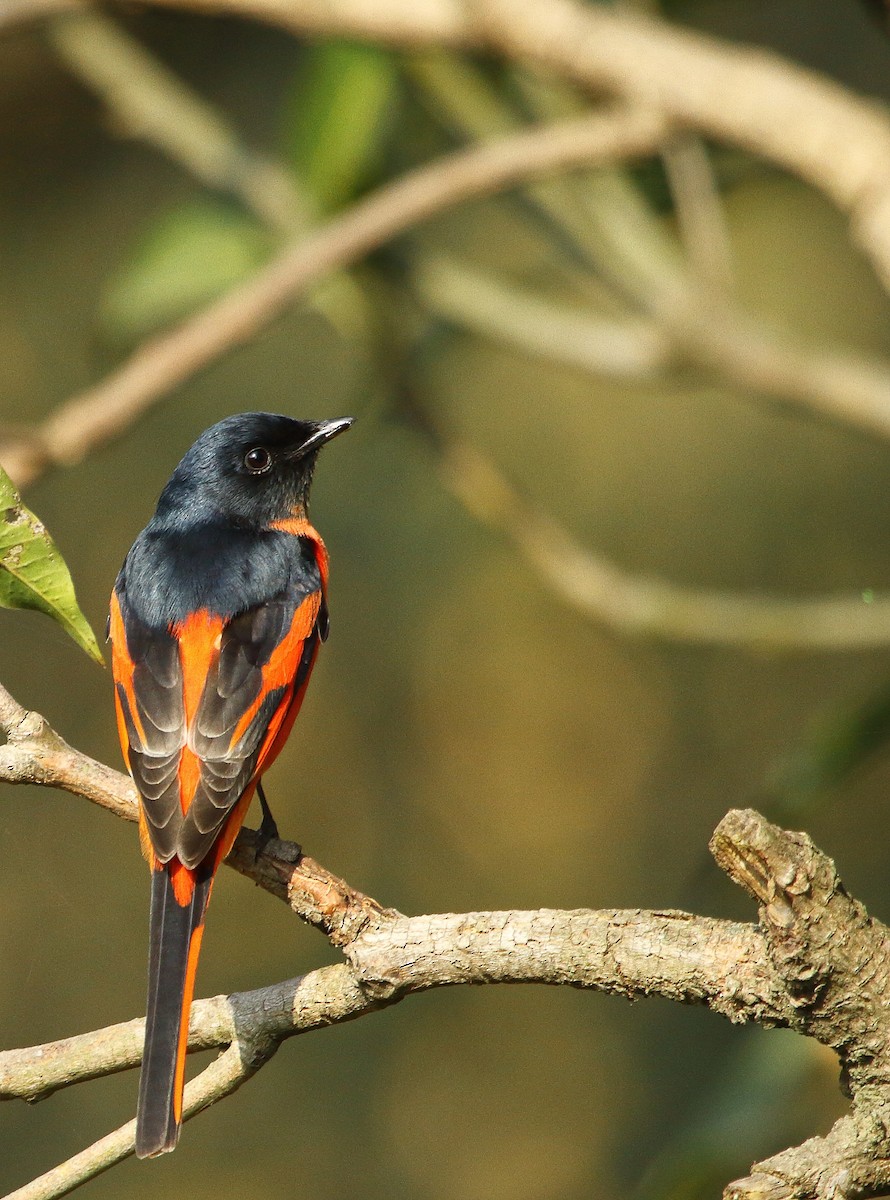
179	901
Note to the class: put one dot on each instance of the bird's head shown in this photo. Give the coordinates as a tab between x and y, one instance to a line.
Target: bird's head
252	470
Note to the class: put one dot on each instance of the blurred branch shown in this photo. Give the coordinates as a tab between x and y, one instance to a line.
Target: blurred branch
616	228
844	387
745	96
635	604
12	12
836	141
696	197
624	347
104	411
599	213
148	101
802	122
699	213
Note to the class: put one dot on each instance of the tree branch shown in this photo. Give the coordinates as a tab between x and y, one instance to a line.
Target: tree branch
844	387
693	960
147	100
838	143
847	388
224	1076
612	224
817	964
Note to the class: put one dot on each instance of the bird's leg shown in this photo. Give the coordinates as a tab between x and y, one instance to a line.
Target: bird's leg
268	828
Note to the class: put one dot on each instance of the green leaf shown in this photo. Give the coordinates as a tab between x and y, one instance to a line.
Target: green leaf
338	117
189	257
32	571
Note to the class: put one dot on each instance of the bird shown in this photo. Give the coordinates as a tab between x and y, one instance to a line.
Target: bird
215	622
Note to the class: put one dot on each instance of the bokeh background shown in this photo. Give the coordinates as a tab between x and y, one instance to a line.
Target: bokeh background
469	740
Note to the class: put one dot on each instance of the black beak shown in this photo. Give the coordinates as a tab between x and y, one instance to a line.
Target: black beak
325	432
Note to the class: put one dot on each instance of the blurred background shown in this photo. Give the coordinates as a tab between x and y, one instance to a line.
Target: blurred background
472	739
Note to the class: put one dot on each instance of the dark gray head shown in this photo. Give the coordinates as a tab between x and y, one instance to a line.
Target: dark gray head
251	470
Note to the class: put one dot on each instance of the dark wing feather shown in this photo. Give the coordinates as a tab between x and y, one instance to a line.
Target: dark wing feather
265	654
148	680
244	694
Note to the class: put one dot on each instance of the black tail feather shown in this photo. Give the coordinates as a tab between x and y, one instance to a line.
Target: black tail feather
173	927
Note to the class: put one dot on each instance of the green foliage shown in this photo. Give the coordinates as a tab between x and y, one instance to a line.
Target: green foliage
190	256
33	573
337	119
836	745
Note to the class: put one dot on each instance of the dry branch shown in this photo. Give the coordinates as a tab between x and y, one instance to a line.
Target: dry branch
34	753
816	963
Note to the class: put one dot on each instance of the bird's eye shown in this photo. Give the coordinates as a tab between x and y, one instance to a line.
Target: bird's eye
258	460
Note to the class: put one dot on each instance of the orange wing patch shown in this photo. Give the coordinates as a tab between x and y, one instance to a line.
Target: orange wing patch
281	668
282	723
199	637
182	880
122	668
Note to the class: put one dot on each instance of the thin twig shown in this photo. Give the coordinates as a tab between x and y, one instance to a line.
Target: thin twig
620	233
844	387
145	99
745	96
793	117
699	213
629	347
